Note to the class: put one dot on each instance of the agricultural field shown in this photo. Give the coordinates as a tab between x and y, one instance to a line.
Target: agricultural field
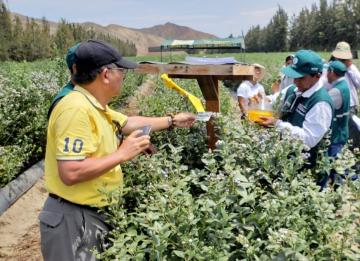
246	200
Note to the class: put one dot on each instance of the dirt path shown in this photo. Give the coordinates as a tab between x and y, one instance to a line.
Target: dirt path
19	229
19	226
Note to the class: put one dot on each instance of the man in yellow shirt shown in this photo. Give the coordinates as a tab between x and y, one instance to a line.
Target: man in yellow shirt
84	151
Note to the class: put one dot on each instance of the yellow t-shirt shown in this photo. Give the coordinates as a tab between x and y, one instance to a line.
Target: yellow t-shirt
79	127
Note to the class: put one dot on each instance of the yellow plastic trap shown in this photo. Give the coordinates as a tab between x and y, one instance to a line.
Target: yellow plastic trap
195	101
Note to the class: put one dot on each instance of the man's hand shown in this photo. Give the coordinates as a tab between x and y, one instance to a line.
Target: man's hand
133	145
267	121
184	120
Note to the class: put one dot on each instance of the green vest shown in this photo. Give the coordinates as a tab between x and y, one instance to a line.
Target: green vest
340	128
296	116
303	105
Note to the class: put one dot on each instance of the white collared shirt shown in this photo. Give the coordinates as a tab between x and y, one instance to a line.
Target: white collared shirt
317	121
335	94
286	81
274	97
352	77
248	90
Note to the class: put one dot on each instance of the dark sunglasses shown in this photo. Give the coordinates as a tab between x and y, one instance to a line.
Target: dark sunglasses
119	134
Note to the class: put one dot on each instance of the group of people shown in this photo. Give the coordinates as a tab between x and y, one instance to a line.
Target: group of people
314	100
87	141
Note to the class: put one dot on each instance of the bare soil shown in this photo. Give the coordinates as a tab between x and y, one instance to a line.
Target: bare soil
19	225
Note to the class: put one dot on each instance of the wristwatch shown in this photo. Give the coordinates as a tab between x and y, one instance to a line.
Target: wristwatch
170	118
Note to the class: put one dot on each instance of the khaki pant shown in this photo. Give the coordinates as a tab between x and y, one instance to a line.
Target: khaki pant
70	232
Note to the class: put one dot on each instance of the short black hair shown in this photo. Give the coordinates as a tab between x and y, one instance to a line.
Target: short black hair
289	57
87	77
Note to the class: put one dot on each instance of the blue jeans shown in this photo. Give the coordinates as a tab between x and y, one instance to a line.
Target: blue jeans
333	151
334	177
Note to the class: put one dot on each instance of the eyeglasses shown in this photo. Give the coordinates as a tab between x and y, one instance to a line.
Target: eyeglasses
123	70
119	134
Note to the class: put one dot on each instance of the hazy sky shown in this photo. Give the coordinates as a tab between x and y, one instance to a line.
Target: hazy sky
220	17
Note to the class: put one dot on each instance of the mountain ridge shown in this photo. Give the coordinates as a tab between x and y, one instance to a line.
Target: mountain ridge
174	31
143	38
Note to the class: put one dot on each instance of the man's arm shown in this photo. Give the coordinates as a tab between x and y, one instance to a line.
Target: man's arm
336	97
354	75
180	120
317	123
242	93
75	171
243	104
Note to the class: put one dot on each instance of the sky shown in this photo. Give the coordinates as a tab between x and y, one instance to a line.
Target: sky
220	17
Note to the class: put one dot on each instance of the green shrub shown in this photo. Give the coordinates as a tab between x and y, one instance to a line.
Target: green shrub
248	200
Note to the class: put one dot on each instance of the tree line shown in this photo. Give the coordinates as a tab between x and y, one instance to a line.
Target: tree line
32	40
318	28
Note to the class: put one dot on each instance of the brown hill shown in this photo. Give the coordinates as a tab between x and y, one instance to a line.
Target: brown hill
24	18
142	38
174	31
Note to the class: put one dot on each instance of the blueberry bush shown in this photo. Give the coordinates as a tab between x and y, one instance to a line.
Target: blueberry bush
249	199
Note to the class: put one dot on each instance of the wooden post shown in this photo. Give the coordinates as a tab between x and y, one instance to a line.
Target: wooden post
209	86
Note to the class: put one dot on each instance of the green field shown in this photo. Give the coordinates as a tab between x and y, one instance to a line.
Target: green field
246	200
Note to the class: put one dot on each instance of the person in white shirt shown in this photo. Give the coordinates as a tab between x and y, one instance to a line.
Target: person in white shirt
286	80
251	91
343	53
307	110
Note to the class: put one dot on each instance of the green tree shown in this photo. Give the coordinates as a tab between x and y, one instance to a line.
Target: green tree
299	27
346	28
64	37
32	42
252	39
15	51
45	39
5	32
277	31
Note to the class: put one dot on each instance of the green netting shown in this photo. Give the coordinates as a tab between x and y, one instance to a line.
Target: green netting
205	43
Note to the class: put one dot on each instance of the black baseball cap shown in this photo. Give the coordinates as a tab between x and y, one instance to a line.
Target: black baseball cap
93	54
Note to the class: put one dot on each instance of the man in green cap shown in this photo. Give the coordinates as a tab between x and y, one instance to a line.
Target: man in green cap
340	95
307	110
70	58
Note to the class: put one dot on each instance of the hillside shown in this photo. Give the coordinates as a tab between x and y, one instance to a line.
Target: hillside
142	38
174	31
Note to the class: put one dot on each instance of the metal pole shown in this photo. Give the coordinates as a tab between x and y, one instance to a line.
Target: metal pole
161	50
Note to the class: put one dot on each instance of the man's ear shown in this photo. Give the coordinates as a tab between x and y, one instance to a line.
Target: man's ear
105	75
73	69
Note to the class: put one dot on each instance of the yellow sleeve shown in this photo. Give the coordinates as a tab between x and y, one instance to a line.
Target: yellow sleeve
118	116
75	135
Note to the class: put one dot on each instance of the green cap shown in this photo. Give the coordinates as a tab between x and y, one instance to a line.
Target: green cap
70	56
305	62
338	67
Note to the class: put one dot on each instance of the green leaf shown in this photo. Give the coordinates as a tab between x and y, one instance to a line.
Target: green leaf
179	253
